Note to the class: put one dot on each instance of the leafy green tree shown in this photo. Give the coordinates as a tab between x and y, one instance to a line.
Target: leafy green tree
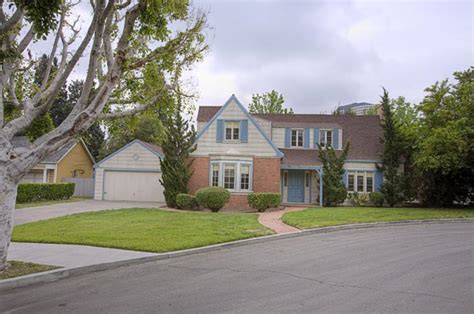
445	149
113	50
178	144
334	190
391	157
271	102
407	120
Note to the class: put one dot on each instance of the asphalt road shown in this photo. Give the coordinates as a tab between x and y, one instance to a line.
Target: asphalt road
403	269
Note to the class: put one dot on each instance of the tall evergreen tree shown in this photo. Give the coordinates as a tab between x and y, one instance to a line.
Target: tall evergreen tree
177	145
391	158
334	190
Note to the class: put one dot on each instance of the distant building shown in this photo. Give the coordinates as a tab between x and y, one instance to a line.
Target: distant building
357	108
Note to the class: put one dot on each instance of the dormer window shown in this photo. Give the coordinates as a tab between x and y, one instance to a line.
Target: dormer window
297	138
325	138
232	130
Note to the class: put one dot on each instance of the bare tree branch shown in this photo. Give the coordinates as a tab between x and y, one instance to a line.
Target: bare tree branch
11	22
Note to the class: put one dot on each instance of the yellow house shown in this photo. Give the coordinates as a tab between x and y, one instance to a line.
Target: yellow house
72	161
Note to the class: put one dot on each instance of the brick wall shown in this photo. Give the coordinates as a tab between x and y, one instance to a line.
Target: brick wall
266	178
266	175
200	177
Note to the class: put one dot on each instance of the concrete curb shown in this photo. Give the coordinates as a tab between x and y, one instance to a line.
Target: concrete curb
61	273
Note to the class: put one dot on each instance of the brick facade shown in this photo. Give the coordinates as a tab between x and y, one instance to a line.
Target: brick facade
266	178
200	177
266	175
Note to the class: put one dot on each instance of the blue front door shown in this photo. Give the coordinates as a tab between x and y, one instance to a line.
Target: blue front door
296	186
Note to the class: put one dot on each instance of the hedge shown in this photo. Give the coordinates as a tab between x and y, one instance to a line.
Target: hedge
262	201
33	192
186	201
212	197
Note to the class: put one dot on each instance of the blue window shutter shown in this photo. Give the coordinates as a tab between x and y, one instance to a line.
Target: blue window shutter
287	137
378	180
316	137
344	178
335	138
306	138
220	131
244	126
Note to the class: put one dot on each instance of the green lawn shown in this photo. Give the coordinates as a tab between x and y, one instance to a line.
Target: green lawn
324	217
42	203
17	268
150	230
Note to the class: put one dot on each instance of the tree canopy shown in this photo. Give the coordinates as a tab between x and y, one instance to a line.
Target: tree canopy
271	102
132	55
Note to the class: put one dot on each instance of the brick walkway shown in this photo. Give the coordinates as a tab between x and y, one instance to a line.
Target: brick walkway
273	221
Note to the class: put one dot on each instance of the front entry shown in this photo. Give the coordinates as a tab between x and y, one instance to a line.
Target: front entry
296	186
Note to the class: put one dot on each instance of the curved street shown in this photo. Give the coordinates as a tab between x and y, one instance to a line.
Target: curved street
426	268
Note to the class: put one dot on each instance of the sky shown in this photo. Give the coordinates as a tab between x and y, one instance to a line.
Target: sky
319	54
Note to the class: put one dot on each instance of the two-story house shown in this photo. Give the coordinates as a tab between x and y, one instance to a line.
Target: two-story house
245	152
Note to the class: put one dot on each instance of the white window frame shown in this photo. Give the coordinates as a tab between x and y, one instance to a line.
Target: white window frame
237	183
232	125
218	174
298	131
364	175
323	137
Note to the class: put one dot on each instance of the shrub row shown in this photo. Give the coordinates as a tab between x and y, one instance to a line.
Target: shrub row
32	192
215	199
262	201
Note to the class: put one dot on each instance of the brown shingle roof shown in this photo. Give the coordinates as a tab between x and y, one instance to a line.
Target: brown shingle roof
363	132
300	157
205	113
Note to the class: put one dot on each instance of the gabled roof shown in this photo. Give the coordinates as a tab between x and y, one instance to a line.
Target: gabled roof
363	132
53	157
219	109
155	149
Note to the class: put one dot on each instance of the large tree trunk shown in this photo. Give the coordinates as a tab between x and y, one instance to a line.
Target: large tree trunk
8	188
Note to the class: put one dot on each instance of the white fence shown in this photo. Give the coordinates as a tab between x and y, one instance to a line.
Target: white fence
84	186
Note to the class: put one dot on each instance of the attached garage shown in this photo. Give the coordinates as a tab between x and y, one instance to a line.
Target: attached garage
132	173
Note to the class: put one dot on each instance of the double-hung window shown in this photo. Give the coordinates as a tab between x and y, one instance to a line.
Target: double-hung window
360	181
232	130
244	176
325	138
215	175
229	176
297	138
232	175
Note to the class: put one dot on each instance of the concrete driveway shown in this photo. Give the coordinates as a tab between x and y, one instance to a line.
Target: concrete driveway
26	215
425	268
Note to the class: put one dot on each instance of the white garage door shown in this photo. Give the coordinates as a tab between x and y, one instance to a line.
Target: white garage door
133	186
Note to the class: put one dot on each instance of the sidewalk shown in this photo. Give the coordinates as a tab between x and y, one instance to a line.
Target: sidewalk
273	220
32	214
68	255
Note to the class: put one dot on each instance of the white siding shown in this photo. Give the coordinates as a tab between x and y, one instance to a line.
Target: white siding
200	126
278	136
256	146
265	125
133	157
99	183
